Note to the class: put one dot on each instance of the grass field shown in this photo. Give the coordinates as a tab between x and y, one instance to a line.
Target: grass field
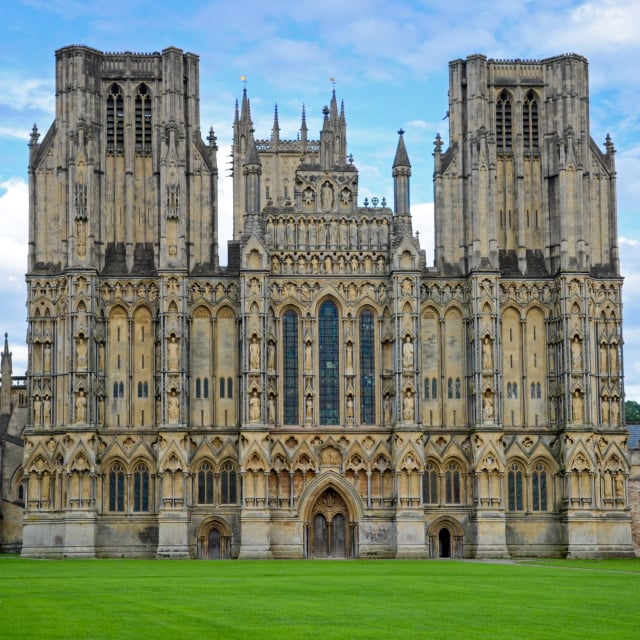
182	599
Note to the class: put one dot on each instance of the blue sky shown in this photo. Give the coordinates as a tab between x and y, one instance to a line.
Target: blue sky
390	64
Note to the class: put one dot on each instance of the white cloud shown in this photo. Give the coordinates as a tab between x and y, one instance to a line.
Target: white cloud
19	93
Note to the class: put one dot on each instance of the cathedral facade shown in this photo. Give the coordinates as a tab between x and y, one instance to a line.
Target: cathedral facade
327	393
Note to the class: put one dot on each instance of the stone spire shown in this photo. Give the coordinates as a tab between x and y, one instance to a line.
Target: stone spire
275	129
303	128
5	378
401	173
251	170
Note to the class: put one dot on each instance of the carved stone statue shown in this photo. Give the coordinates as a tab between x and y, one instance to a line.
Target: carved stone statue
173	354
408	407
271	409
254	407
81	353
407	354
386	409
487	354
81	406
254	354
173	407
576	405
576	354
487	406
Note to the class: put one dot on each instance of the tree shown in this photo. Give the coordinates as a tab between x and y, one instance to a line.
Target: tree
632	412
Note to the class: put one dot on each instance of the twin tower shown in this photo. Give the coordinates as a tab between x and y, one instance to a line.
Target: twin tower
327	393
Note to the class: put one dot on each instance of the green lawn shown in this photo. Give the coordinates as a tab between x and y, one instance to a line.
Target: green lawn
181	599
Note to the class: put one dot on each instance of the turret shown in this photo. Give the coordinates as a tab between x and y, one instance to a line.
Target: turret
5	374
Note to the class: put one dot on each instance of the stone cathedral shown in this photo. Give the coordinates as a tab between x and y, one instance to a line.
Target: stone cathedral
327	393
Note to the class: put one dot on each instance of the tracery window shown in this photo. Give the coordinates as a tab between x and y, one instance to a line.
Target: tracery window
430	484
205	484
514	488
329	364
116	487
539	488
367	369
115	119
143	120
503	122
530	121
290	367
452	484
141	488
228	484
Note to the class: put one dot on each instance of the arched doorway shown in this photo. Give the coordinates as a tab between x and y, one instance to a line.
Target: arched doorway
445	536
330	535
444	542
214	540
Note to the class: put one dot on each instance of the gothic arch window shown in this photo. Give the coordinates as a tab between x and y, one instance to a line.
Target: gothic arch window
198	388
514	488
228	484
458	389
141	487
329	364
452	484
115	119
116	487
503	122
530	121
205	390
450	388
143	120
539	488
367	368
430	484
205	483
229	387
222	387
290	366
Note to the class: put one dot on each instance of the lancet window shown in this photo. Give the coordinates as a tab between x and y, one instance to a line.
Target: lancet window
290	367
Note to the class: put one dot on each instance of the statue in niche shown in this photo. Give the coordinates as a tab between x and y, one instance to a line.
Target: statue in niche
328	264
333	234
364	234
312	234
291	233
619	484
615	411
408	406
309	408
349	359
81	406
173	354
254	354
173	407
384	234
81	237
315	264
342	264
81	353
576	406
613	356
37	410
487	406
271	409
322	234
603	357
326	197
343	234
46	411
407	354
407	288
576	354
354	264
271	357
46	358
254	407
353	235
386	409
349	407
308	364
487	354
605	409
